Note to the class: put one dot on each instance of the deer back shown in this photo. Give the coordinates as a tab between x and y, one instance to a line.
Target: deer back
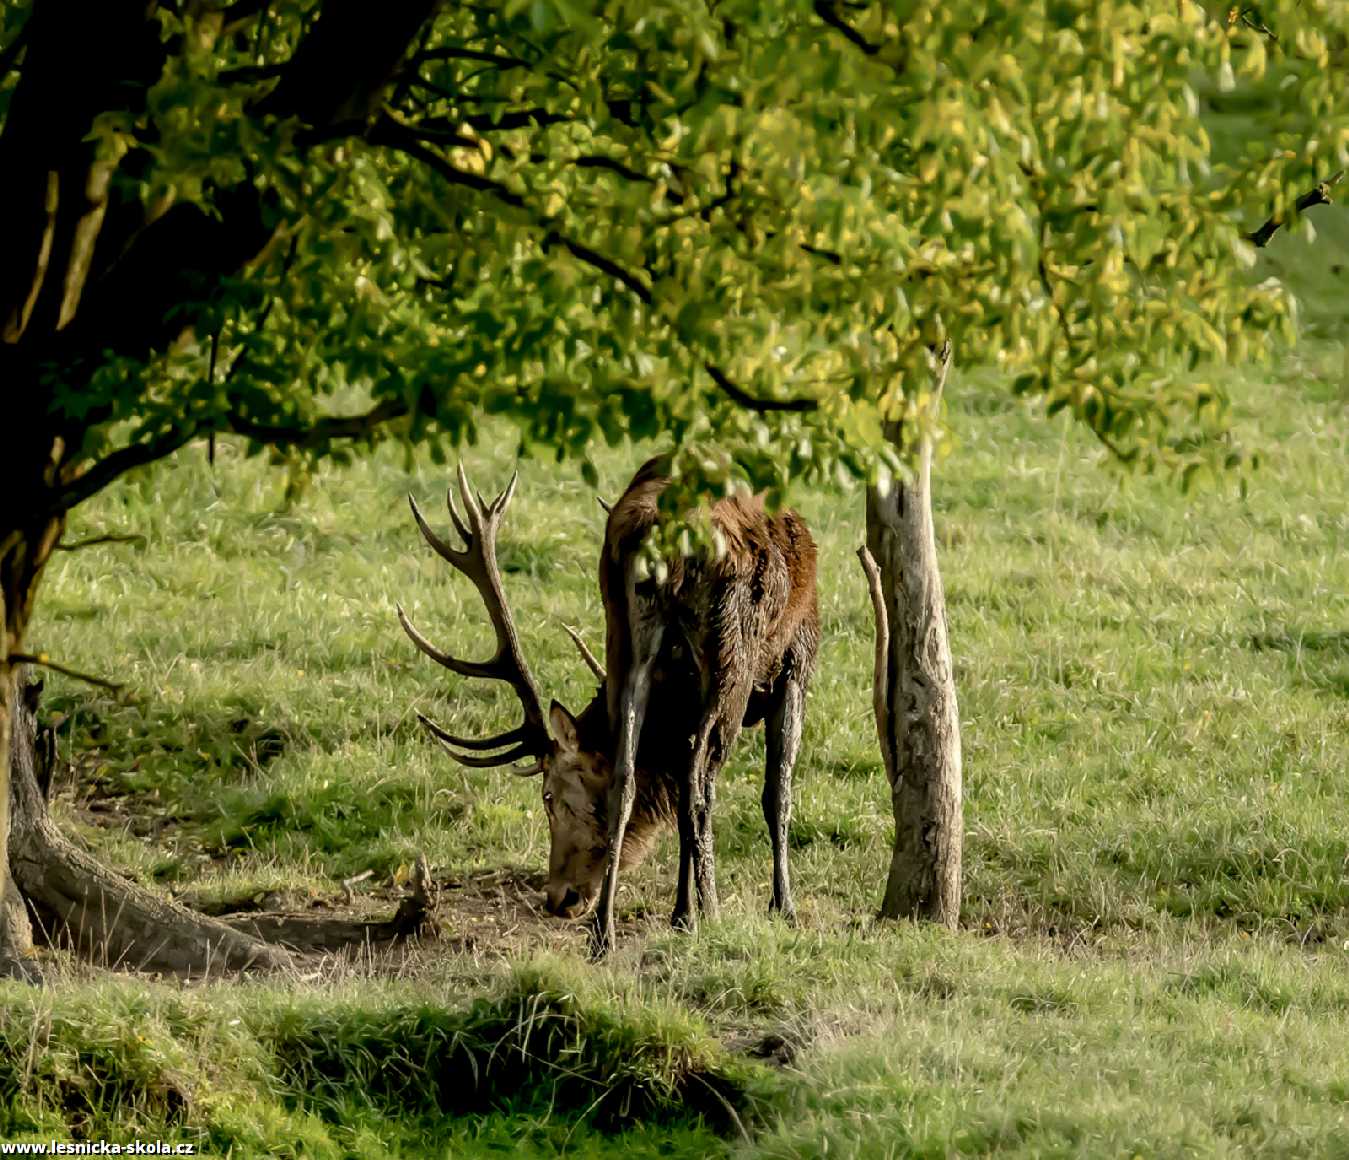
738	613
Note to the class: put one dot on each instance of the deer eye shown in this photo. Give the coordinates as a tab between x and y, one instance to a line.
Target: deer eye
548	798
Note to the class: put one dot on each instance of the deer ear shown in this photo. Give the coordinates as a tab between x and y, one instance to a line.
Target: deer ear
564	727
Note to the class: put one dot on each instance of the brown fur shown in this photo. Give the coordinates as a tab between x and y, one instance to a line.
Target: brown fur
736	631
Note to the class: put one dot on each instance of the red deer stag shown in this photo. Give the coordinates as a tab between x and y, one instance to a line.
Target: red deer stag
716	644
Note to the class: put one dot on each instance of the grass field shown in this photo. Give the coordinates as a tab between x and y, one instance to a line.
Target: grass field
1154	693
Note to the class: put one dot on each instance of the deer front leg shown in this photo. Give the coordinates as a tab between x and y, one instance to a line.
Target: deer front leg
683	917
783	743
704	864
623	786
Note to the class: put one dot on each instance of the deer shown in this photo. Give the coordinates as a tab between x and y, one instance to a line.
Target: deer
694	653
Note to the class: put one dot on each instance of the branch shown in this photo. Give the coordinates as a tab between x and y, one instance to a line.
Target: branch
745	399
252	73
1317	195
598	161
515	119
116	464
113	466
342	65
321	430
396	135
241	12
455	53
76	545
608	266
827	10
43	661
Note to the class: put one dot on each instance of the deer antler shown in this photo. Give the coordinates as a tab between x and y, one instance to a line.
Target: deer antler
477	560
586	655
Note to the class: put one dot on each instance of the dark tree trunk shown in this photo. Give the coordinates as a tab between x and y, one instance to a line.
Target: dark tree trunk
915	697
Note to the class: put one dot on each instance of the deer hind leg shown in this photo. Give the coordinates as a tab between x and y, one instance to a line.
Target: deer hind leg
783	737
646	638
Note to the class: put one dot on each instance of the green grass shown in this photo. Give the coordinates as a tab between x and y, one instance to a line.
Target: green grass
1154	693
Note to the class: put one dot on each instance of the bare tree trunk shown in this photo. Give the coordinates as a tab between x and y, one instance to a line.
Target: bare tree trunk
915	697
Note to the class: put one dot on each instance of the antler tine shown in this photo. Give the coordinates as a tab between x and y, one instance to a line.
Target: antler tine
502	502
488	761
471	504
453	663
509	737
441	548
586	655
460	525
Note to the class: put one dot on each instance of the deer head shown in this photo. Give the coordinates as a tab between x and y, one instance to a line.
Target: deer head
575	775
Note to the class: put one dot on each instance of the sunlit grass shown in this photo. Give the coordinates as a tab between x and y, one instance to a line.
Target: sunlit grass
1154	693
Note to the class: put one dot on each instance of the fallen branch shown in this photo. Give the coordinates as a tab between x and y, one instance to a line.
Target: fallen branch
349	885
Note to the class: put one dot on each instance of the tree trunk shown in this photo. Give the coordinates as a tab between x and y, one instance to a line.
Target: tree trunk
16	936
915	697
26	542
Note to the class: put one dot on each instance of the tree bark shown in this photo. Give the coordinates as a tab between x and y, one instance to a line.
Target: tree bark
16	936
26	543
915	697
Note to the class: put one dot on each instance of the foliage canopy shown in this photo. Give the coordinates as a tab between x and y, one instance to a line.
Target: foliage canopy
737	224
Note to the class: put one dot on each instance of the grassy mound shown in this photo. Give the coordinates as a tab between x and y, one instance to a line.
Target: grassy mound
235	1072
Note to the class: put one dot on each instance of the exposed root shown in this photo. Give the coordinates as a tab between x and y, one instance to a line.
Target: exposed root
78	903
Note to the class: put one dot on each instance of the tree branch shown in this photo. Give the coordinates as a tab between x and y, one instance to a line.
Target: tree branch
124	459
113	466
594	258
341	67
515	119
827	10
745	399
92	541
42	660
453	52
396	135
321	430
1317	195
